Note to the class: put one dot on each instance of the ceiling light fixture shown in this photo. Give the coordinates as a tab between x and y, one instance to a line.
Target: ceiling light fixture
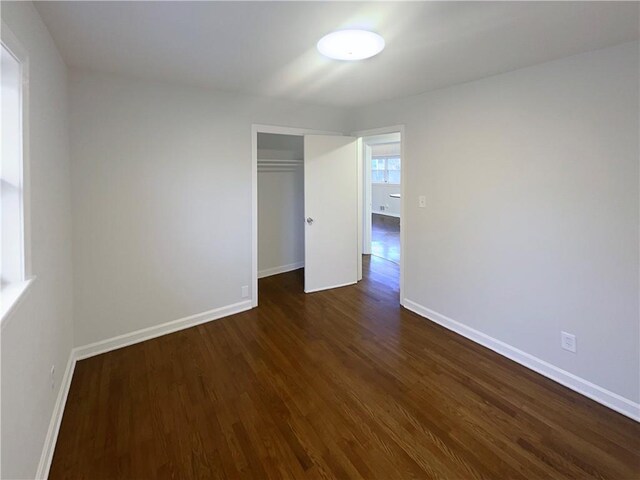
351	44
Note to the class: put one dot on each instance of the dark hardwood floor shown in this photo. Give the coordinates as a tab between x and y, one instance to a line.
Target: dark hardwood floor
385	237
337	384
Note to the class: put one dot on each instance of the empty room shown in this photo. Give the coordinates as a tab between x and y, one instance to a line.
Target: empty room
320	240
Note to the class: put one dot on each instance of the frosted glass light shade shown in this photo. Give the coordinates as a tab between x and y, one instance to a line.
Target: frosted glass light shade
351	44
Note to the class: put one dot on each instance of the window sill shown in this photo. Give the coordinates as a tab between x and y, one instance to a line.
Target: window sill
10	298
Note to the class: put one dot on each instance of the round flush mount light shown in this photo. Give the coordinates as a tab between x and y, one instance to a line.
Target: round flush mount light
351	44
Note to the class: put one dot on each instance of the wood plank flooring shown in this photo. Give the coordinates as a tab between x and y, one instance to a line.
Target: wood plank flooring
338	384
385	237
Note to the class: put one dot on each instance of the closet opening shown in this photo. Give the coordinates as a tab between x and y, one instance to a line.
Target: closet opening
280	182
305	217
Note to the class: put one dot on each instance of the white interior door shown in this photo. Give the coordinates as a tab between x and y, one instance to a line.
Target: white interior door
331	211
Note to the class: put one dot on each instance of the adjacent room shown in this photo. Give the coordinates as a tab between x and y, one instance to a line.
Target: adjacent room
385	201
347	240
382	202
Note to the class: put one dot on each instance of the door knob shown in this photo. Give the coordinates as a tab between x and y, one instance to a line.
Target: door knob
309	220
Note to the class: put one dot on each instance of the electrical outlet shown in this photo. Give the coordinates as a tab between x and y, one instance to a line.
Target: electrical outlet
422	201
382	207
568	341
53	377
245	291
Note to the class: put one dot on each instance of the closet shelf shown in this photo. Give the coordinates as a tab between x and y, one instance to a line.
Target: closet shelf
273	160
277	165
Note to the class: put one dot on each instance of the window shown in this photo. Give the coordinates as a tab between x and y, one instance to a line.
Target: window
12	224
11	260
385	170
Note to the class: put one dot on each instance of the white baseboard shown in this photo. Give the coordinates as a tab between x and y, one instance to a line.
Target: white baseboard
267	272
159	330
595	392
114	343
56	419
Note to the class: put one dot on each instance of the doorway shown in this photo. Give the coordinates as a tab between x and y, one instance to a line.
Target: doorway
280	165
300	188
386	169
383	203
337	174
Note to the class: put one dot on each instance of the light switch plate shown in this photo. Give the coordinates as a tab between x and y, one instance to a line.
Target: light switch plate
422	201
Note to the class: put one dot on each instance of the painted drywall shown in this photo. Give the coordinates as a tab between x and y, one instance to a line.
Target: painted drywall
39	332
280	203
273	146
384	149
161	178
380	198
531	222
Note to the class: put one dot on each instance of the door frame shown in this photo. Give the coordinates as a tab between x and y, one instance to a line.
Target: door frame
366	206
367	197
279	130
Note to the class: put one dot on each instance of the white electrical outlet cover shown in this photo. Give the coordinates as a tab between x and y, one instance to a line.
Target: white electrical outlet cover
568	342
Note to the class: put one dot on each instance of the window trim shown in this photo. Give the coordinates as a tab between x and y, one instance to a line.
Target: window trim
12	294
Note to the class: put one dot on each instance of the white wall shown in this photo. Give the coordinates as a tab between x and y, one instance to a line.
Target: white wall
161	180
531	224
383	149
39	334
280	204
380	197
